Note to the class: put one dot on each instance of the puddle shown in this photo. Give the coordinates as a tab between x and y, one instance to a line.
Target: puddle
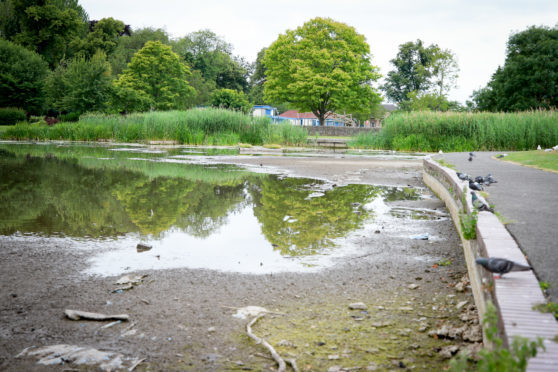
107	199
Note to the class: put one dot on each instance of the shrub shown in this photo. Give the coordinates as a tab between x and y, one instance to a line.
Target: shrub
71	116
10	115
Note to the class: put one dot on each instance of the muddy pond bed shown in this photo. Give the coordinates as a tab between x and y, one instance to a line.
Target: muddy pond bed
331	244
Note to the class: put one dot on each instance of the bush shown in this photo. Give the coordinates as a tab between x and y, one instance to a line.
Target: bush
10	115
71	116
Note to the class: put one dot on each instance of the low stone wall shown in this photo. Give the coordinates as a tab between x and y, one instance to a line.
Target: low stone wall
515	294
339	131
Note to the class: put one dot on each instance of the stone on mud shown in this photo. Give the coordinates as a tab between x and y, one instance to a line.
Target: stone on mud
358	306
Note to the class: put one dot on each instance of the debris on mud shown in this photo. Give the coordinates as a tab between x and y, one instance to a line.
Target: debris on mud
77	355
85	315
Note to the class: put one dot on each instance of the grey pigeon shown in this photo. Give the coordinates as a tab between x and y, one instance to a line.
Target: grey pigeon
462	176
501	265
489	179
471	156
477	203
479	179
475	186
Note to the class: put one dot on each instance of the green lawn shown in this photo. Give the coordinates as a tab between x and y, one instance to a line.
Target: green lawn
536	159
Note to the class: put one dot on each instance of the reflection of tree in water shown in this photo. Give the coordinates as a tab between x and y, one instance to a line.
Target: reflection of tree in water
311	223
400	193
52	196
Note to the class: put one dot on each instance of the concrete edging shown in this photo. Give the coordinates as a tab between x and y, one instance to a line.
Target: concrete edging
515	295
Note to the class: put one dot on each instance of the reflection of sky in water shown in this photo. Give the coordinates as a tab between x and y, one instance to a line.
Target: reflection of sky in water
272	210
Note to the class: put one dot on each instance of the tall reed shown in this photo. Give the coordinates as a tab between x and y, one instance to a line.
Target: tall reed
433	131
195	127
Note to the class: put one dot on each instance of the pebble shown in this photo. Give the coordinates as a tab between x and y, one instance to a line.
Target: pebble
461	304
413	286
358	306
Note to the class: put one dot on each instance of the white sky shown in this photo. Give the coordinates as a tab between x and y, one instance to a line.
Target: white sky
475	30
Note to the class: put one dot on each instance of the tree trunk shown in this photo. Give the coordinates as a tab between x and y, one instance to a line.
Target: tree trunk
321	118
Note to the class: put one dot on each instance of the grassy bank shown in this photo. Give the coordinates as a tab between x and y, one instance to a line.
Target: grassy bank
434	131
194	127
535	159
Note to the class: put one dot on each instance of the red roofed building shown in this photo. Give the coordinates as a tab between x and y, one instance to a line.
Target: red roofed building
309	119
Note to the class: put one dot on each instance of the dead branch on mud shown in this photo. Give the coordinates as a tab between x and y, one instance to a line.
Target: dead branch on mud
274	354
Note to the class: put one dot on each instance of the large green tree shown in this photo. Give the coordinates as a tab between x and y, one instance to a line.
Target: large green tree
128	45
423	73
45	26
80	85
322	67
230	99
529	77
155	78
209	54
103	35
22	76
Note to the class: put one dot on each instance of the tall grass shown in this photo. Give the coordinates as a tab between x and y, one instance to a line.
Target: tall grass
433	131
195	127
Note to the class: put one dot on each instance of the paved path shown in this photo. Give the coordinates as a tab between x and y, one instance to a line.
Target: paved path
529	197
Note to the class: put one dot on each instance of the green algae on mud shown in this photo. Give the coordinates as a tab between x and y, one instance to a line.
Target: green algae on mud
386	335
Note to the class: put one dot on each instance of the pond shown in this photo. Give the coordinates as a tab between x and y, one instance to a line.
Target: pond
110	198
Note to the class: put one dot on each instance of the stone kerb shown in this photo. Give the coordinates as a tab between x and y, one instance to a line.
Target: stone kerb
518	292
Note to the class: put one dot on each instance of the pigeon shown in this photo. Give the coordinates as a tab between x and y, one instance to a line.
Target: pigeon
471	156
475	186
489	179
501	265
477	203
463	176
479	179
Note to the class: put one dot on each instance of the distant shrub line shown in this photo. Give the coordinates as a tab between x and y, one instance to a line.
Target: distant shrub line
194	127
452	131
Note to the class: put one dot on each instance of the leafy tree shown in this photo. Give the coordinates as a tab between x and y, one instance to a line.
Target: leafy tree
322	67
529	77
129	45
257	80
212	57
81	85
103	36
230	99
421	73
158	78
22	75
46	27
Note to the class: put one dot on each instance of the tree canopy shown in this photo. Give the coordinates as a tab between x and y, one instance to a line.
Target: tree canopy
22	76
423	73
155	78
322	66
529	77
230	99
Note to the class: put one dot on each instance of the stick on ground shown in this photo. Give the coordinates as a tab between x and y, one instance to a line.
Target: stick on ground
274	354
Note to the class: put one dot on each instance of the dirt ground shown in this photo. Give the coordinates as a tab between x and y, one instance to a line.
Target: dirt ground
182	319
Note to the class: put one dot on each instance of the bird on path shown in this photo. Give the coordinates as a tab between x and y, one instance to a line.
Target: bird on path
477	203
501	156
501	266
471	156
475	186
489	179
463	176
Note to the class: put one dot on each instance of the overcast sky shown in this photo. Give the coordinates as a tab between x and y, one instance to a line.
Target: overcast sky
475	30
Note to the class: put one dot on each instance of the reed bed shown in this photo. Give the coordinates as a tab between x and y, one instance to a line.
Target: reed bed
193	127
434	131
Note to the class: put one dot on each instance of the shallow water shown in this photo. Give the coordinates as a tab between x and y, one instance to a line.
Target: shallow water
109	198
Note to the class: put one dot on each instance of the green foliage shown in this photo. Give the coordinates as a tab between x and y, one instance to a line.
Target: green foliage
46	27
544	285
11	115
230	99
550	307
321	67
155	78
196	127
422	77
529	77
536	159
499	358
72	116
80	85
468	225
128	46
209	54
103	36
22	75
434	131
